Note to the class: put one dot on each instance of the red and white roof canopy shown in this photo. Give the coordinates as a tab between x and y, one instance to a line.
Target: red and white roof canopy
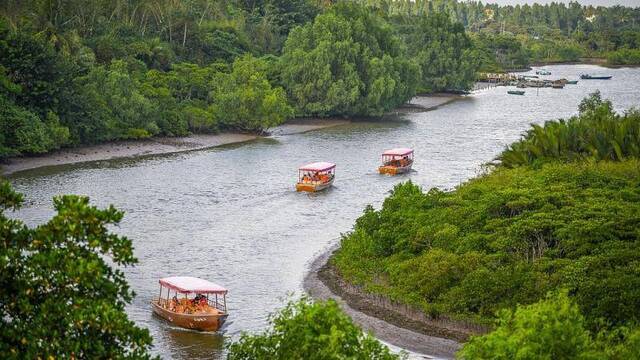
188	284
398	152
318	166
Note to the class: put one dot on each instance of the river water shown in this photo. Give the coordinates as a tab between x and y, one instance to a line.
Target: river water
231	214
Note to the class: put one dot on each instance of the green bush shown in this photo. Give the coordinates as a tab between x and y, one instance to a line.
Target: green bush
550	329
310	330
624	57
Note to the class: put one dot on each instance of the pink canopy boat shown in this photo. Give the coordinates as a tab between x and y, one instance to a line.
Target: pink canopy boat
315	176
396	161
196	304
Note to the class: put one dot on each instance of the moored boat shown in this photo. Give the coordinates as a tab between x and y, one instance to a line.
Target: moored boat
572	82
396	161
595	77
316	176
515	92
543	72
196	304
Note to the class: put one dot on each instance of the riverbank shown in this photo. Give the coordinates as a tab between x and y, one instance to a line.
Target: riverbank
170	145
390	326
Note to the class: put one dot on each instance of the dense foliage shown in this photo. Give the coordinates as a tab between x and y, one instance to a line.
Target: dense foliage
310	330
504	239
530	33
347	62
443	51
61	296
51	100
78	72
596	133
508	237
550	329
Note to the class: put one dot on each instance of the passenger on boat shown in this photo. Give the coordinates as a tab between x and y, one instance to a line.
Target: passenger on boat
200	300
173	303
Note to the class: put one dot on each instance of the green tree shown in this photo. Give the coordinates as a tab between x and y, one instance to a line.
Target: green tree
245	100
116	109
310	330
60	296
23	132
550	329
347	62
443	51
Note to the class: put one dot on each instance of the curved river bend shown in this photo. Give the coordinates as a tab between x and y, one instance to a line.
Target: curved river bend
231	214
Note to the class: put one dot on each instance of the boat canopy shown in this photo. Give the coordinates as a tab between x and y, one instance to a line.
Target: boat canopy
398	152
318	166
188	284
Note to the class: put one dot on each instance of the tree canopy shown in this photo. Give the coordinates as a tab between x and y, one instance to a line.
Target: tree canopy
60	296
553	328
310	330
347	62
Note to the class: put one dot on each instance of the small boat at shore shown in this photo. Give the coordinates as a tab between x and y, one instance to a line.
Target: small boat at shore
572	82
396	161
515	92
595	77
316	176
196	304
543	72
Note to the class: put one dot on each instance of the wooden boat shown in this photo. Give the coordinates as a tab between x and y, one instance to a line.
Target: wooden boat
196	304
515	92
316	176
557	85
595	77
396	161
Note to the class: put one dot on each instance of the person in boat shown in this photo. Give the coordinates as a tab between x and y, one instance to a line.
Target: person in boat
173	304
200	300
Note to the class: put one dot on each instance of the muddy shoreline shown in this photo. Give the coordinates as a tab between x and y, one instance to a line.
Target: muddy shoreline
320	283
171	145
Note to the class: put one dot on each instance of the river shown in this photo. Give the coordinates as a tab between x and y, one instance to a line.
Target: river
231	215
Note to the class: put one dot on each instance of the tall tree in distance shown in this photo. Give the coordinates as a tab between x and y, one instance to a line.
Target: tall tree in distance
347	62
443	51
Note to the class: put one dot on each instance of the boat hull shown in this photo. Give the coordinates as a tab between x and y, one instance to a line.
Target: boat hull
394	170
200	322
596	77
312	187
515	92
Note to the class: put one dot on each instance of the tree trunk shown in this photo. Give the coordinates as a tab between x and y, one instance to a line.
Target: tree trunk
184	36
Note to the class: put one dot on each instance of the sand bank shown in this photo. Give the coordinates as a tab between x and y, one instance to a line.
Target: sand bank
168	145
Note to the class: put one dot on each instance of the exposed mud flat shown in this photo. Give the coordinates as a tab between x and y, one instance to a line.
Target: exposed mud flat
430	346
